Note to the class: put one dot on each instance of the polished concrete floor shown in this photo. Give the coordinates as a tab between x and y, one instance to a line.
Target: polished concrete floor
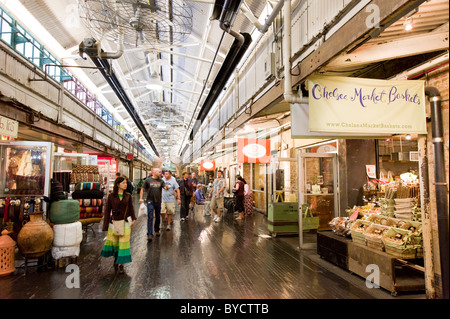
197	259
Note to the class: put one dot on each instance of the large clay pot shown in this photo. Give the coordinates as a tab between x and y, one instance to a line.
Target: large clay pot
35	238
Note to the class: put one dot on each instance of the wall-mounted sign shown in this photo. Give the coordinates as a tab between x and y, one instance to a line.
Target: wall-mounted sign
356	105
253	151
8	127
300	127
208	165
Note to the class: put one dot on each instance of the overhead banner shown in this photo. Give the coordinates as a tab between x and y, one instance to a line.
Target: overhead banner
355	105
8	127
253	151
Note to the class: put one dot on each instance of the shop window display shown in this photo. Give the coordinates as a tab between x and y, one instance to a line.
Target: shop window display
26	169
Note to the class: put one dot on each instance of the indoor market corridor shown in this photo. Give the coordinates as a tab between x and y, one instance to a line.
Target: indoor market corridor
197	259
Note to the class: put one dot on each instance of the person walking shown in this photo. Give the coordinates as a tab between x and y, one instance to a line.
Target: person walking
119	206
194	183
153	185
248	199
186	193
239	188
170	194
217	196
208	190
130	186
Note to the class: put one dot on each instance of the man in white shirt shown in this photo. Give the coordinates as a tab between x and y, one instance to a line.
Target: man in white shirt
169	194
217	196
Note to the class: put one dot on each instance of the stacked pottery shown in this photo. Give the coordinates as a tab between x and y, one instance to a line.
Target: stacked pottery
35	238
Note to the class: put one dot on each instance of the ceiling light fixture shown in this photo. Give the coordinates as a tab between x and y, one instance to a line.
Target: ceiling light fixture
408	25
154	83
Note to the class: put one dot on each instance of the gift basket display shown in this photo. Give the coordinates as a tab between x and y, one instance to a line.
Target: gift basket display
401	243
341	226
373	235
357	230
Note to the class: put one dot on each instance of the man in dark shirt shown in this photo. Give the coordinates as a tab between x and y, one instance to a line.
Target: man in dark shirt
153	185
186	192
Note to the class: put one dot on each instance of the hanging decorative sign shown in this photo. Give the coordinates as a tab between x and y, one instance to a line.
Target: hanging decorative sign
253	151
8	127
371	171
355	105
208	165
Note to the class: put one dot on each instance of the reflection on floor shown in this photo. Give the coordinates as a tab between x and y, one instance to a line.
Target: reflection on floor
198	259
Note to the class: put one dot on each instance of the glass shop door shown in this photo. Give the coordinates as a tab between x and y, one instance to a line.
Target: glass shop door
318	198
283	196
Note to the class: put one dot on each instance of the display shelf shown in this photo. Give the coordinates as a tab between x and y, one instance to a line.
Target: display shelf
396	274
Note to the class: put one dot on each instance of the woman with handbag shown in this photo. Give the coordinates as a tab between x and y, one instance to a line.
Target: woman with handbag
119	208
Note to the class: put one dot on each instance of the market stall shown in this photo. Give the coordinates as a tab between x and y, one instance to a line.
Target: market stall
386	232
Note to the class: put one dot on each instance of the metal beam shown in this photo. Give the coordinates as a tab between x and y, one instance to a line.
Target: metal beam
377	52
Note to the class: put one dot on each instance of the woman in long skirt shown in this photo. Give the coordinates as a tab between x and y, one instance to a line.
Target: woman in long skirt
119	206
248	199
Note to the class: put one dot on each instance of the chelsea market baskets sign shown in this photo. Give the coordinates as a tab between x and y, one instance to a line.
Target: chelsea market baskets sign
366	106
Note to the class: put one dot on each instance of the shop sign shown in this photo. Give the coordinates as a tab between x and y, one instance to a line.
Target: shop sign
356	105
8	127
300	127
253	151
208	165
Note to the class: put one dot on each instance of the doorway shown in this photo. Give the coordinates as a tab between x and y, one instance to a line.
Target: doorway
318	197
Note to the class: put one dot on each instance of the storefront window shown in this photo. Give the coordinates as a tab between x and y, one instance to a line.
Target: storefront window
397	155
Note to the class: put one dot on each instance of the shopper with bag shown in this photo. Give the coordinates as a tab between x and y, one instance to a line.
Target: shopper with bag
118	219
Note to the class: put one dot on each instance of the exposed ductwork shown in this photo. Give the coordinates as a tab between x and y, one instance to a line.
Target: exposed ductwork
228	10
437	133
92	48
262	27
113	81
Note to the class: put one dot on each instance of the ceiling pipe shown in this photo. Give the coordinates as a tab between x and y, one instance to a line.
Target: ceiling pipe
289	94
262	27
241	43
113	81
437	133
113	55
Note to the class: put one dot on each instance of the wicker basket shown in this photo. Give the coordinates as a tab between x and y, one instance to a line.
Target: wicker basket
373	235
357	230
401	243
